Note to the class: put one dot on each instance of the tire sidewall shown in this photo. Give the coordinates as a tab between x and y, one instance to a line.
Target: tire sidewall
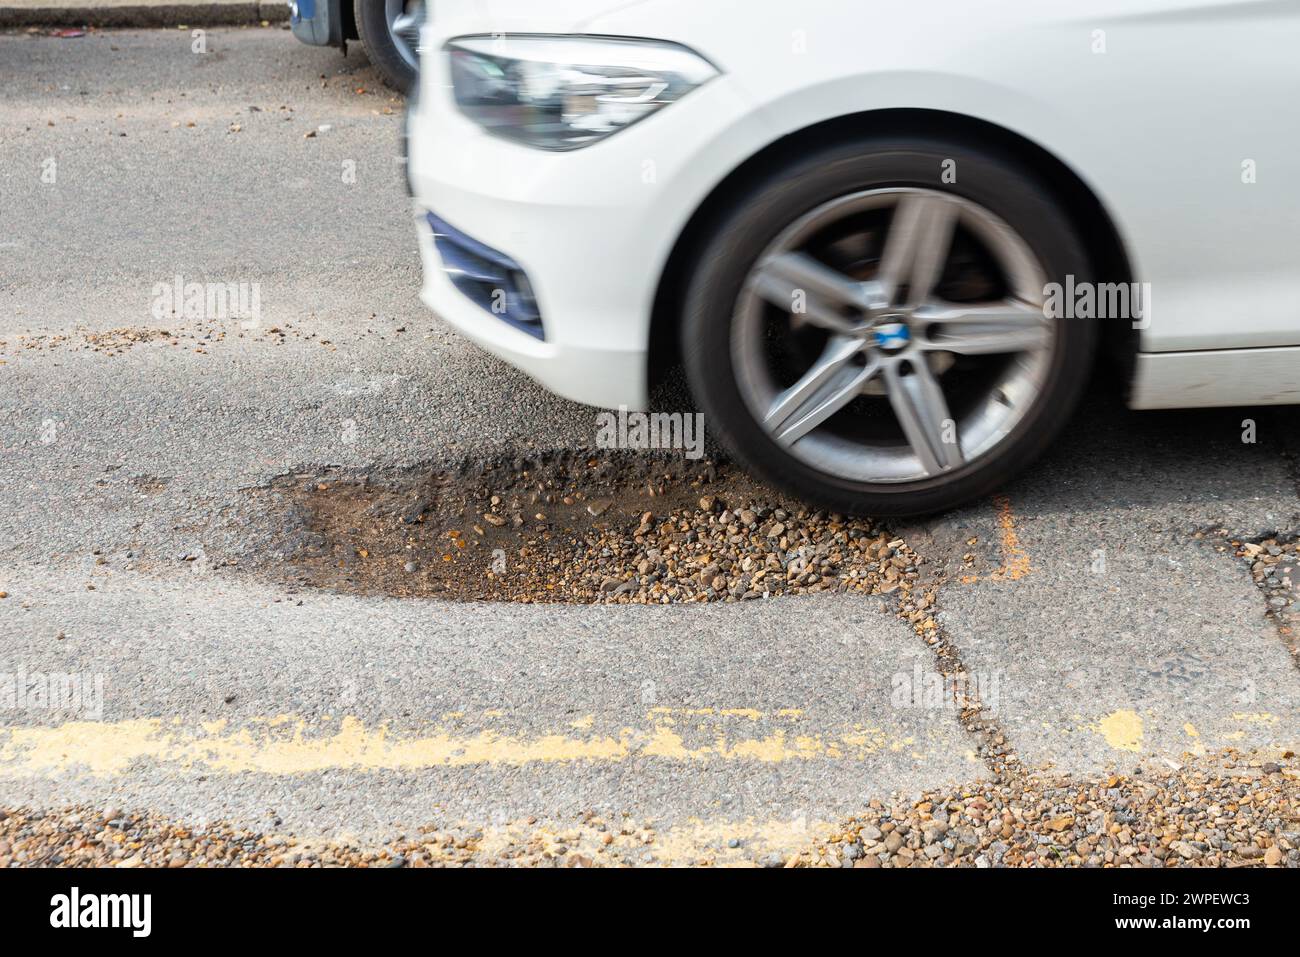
372	25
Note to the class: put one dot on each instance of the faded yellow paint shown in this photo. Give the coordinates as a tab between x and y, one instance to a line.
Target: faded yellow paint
774	748
696	839
295	746
1122	730
688	842
663	712
1126	730
106	749
1198	747
1015	559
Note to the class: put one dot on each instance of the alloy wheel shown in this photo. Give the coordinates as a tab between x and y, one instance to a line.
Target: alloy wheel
404	17
893	335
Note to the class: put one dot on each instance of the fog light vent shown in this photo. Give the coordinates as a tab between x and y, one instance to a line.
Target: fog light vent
491	279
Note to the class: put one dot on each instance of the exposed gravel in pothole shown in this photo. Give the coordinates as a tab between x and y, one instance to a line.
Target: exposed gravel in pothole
582	529
1227	810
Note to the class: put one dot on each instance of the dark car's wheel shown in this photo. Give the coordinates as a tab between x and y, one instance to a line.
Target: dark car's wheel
389	30
872	338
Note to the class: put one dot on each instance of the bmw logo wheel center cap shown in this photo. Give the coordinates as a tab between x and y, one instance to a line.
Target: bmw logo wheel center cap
891	336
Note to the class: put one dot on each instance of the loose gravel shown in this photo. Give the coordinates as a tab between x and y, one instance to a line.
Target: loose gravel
83	836
198	335
1227	810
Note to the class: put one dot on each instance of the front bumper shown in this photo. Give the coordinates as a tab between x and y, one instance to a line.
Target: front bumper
597	375
317	22
592	229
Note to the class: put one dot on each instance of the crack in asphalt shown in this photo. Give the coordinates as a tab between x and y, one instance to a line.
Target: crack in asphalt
975	716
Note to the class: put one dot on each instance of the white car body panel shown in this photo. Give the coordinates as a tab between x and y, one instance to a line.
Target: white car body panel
1184	380
1158	126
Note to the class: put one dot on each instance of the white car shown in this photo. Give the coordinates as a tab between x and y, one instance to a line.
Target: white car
886	240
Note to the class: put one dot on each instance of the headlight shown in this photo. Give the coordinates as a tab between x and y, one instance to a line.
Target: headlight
563	93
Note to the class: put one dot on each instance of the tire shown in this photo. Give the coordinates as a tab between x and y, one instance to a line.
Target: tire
818	467
382	47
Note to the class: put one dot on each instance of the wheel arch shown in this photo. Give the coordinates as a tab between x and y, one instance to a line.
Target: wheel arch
1104	245
348	14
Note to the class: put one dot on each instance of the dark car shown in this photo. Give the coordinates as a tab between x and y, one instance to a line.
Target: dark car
388	29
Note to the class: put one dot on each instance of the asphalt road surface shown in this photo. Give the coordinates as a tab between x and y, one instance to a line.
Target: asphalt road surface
1101	598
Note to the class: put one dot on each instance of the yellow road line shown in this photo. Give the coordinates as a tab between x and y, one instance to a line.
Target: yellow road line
1015	559
289	744
1131	731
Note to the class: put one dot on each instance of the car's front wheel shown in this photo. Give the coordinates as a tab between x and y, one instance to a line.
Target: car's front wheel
867	331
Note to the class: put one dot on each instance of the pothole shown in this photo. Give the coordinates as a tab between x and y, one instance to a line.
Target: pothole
578	528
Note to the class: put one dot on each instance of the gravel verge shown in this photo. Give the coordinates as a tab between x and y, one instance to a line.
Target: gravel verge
1224	810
